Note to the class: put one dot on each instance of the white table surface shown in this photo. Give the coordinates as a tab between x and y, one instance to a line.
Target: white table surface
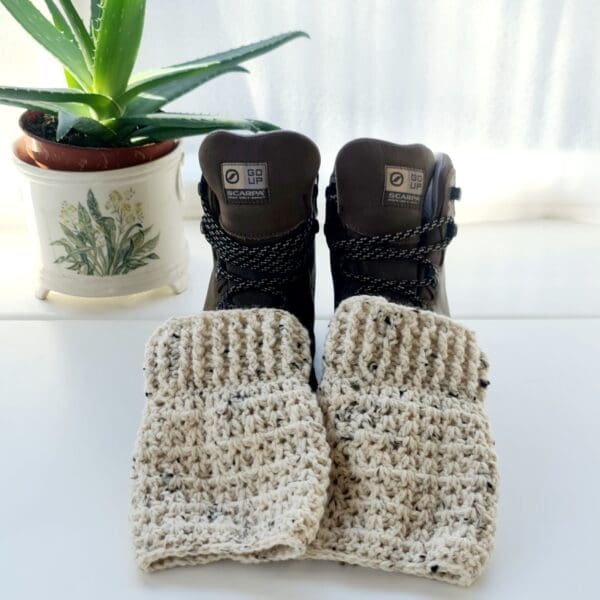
70	403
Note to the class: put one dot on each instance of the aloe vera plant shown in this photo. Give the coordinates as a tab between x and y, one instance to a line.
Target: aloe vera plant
104	102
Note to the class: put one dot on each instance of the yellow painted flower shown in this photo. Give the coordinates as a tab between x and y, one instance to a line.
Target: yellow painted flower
116	198
68	214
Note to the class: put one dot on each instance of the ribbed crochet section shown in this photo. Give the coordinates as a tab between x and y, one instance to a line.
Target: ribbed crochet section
226	348
414	478
373	342
231	459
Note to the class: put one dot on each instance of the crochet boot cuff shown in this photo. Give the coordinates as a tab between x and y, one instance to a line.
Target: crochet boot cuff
231	459
414	469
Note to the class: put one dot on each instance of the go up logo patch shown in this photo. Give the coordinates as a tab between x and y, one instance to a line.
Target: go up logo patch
245	183
403	187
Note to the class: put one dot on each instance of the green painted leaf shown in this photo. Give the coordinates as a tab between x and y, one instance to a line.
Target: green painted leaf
64	243
128	251
86	229
117	44
137	239
78	253
129	231
134	264
124	247
106	224
71	236
150	244
57	43
83	216
93	207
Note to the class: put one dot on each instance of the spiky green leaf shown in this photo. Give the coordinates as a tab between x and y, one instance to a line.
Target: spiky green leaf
59	20
66	122
66	50
102	105
151	90
117	44
81	33
45	107
164	126
71	81
231	57
95	14
90	127
150	96
63	26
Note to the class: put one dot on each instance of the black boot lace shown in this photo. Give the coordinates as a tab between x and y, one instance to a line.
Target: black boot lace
271	265
386	248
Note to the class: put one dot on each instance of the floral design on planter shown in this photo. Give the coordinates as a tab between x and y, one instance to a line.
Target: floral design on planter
105	244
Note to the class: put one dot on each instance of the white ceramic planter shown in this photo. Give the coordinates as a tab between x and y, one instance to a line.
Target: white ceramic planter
108	233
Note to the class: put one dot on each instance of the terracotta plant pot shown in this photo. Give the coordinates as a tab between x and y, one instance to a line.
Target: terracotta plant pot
107	232
48	154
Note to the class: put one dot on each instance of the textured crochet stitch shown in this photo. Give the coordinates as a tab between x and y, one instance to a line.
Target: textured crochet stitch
231	459
414	477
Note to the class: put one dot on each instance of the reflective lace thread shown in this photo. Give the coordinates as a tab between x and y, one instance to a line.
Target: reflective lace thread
385	248
273	264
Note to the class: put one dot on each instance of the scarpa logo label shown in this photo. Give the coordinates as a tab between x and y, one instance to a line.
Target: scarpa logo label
245	183
403	186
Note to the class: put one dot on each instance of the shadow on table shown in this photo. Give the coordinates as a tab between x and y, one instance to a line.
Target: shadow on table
303	579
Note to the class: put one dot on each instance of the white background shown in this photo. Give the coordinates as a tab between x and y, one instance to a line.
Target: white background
509	88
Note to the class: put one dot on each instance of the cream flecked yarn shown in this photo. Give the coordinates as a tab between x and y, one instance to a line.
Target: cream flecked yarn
231	459
413	483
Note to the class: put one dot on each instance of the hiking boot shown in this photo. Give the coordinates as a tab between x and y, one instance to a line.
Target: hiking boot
259	199
389	218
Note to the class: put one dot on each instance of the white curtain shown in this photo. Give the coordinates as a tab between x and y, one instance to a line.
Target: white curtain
509	88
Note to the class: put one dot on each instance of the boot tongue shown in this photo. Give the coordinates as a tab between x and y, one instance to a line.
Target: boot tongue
263	182
381	187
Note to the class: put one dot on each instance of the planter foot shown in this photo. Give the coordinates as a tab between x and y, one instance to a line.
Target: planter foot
41	292
180	285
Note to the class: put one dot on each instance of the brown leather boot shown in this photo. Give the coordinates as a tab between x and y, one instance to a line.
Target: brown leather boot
259	198
389	219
